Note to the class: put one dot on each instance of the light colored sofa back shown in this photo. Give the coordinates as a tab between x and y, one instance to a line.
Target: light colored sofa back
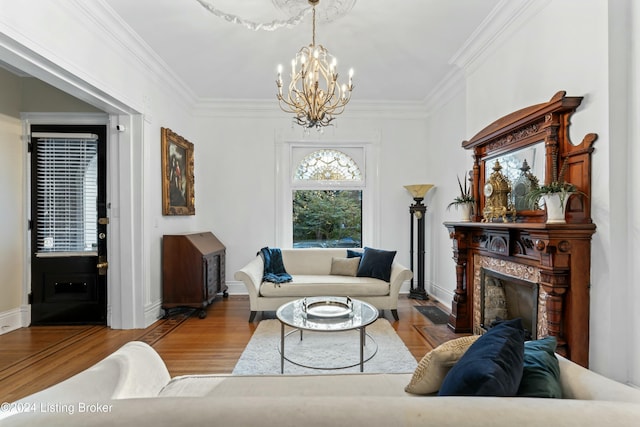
310	261
581	383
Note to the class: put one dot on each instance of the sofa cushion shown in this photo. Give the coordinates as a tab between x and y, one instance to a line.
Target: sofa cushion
312	261
344	266
492	366
286	386
541	372
376	263
339	286
435	365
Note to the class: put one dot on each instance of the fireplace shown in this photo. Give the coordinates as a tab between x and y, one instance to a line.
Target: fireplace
555	258
504	297
522	280
525	249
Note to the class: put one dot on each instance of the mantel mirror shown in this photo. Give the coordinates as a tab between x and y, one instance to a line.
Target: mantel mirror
525	170
527	147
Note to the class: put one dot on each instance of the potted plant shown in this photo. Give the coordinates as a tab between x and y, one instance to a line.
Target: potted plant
554	195
464	201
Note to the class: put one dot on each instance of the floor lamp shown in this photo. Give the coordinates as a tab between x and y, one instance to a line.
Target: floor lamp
417	211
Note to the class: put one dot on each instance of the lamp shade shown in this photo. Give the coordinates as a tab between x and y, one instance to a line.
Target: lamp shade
418	191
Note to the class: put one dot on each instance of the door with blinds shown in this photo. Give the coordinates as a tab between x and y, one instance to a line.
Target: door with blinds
68	224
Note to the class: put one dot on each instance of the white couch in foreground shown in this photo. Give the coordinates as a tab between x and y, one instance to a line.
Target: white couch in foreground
311	269
132	387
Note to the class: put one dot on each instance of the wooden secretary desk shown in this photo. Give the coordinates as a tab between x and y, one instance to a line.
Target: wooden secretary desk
193	271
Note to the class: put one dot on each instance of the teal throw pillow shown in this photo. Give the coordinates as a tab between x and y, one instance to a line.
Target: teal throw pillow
541	373
492	366
376	263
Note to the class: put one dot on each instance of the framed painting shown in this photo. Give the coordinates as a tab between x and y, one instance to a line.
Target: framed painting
177	175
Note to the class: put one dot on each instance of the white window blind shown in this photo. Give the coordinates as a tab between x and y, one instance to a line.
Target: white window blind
66	192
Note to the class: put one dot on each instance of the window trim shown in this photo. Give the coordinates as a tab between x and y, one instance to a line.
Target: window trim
285	169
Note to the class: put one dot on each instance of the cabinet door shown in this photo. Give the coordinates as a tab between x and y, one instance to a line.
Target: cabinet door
211	276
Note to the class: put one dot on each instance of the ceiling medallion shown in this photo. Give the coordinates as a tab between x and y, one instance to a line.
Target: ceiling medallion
327	11
314	95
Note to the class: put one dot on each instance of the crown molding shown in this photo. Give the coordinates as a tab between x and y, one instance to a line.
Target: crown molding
123	39
501	22
35	58
452	84
504	20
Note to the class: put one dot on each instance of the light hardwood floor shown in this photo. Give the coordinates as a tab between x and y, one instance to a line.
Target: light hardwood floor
34	358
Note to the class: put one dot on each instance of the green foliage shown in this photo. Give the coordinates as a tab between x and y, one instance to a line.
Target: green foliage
464	196
557	186
327	215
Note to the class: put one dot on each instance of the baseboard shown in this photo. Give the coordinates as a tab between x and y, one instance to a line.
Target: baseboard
152	313
236	287
444	296
14	319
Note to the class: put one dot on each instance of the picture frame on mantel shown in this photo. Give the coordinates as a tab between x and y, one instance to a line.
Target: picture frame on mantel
177	174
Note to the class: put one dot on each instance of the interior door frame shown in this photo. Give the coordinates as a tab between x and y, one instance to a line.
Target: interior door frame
29	119
129	302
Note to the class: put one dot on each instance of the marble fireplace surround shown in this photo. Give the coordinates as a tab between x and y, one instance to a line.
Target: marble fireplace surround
522	272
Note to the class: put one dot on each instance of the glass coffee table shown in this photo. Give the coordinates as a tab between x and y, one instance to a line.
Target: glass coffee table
326	314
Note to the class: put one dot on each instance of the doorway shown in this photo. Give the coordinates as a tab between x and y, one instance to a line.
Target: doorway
68	224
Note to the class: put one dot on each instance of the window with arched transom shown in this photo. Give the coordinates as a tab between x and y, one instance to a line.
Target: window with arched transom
327	196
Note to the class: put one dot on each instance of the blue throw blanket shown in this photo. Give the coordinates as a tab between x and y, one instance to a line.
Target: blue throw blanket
274	266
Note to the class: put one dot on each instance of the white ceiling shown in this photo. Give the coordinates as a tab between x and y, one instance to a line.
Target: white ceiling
400	50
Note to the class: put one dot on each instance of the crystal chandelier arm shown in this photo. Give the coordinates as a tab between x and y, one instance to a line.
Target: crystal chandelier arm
255	26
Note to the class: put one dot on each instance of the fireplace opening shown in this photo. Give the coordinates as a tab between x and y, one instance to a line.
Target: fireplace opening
504	297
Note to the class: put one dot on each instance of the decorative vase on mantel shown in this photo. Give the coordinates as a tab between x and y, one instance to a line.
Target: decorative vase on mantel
555	204
466	209
464	201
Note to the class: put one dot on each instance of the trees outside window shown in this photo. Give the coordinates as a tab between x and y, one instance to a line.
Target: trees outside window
327	217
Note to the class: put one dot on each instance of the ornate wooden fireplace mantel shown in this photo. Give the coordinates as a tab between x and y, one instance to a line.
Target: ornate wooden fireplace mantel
560	253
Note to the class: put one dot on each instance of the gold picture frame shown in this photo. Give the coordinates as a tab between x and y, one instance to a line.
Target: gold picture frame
177	175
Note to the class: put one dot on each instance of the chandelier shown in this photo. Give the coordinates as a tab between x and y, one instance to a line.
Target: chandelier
314	95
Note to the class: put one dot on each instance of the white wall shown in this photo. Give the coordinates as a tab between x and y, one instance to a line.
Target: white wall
633	202
527	64
11	193
448	161
236	175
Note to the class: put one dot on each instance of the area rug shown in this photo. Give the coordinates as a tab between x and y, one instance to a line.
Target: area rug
326	350
433	313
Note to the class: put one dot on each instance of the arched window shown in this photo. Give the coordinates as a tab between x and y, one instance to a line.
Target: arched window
328	165
325	217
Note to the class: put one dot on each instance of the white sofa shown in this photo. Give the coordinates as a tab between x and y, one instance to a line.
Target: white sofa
132	387
310	269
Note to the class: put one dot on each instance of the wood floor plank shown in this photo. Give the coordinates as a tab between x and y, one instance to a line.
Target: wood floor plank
32	359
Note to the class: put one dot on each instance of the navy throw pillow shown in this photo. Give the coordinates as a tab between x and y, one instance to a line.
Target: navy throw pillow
492	366
376	263
541	373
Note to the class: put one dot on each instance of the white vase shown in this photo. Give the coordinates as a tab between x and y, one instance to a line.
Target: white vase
465	211
555	205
